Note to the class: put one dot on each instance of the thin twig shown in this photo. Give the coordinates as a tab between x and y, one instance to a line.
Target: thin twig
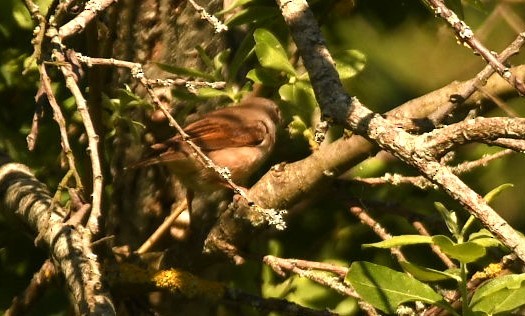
217	24
366	219
279	265
162	229
38	32
93	139
423	183
480	80
35	123
466	35
424	232
275	263
61	122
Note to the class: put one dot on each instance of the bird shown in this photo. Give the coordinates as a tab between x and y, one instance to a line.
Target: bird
239	137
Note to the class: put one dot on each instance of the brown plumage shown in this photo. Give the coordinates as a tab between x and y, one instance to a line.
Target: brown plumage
238	137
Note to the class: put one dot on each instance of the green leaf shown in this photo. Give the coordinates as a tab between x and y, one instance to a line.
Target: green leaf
450	218
349	63
204	57
484	238
301	99
465	252
271	53
296	126
403	240
220	61
495	192
253	14
265	76
501	294
427	274
182	71
21	16
207	92
385	288
242	54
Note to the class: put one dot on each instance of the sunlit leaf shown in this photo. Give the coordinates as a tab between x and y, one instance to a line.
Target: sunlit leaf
207	92
349	63
296	126
220	61
271	53
385	288
496	191
465	252
21	16
484	238
252	14
265	76
449	217
300	96
427	274
182	71
501	294
403	240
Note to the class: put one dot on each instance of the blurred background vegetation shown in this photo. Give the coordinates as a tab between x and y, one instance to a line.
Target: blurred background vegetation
409	52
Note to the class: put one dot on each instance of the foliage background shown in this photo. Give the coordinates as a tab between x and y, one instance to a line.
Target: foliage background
409	53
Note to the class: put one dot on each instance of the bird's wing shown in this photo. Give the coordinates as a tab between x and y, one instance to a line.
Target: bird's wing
161	153
223	134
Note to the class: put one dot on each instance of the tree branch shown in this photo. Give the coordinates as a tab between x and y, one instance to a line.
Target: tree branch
21	194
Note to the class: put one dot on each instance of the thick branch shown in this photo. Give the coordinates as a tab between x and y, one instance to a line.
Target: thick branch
22	194
78	24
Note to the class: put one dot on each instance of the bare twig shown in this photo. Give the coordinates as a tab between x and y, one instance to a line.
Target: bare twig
162	228
423	183
303	269
513	144
480	129
366	219
275	263
217	24
474	84
466	35
423	231
38	32
59	118
188	285
33	134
